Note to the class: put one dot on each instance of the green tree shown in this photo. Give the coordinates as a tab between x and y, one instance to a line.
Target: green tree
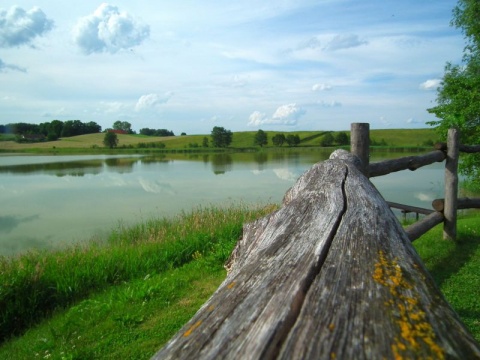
278	139
327	140
458	96
221	137
123	126
341	138
110	139
205	142
292	140
260	138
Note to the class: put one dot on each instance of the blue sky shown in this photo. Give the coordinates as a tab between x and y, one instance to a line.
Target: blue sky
188	66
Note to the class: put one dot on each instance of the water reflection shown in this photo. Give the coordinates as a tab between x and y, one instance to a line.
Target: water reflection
71	168
9	223
51	200
221	163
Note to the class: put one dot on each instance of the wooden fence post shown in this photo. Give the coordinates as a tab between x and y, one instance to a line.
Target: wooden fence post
451	186
360	144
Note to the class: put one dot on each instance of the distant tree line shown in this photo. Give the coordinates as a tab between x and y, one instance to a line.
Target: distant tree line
261	139
51	130
156	132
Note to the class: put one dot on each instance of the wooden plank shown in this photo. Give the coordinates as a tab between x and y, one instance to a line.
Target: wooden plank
408	208
408	162
331	274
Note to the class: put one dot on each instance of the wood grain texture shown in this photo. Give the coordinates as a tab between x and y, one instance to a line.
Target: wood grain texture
330	275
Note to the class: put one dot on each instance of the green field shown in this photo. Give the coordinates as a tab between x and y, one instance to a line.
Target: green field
241	140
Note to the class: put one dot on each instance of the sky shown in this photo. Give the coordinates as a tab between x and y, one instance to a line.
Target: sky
189	65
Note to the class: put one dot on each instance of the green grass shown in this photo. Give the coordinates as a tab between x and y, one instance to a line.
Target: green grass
405	137
93	143
34	285
129	321
154	290
455	267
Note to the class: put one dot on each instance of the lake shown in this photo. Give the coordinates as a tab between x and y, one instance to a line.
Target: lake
50	201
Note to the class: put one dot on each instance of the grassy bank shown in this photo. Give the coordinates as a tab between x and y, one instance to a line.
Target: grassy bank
126	298
93	143
38	284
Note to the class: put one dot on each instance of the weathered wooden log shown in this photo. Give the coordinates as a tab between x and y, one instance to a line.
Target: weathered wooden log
462	203
408	162
462	148
331	274
469	148
420	227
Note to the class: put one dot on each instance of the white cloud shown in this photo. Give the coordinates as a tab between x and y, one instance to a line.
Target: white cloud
344	42
152	100
257	118
423	197
332	103
321	87
5	67
20	27
285	174
431	84
109	30
155	187
284	115
288	113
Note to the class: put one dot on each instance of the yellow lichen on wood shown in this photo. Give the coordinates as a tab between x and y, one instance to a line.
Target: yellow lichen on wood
415	331
192	328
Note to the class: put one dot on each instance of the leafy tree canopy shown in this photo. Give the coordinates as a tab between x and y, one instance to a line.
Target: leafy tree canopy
278	139
292	140
327	140
341	138
110	139
260	138
123	126
458	97
221	137
54	129
156	132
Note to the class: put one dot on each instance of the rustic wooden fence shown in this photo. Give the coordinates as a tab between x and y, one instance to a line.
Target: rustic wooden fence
330	275
444	210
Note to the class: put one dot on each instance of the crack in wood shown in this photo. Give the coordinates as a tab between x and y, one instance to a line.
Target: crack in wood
273	349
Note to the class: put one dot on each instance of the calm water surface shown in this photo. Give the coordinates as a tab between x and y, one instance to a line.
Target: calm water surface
49	201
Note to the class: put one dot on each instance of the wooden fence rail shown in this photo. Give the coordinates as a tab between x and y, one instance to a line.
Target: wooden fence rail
330	275
447	212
